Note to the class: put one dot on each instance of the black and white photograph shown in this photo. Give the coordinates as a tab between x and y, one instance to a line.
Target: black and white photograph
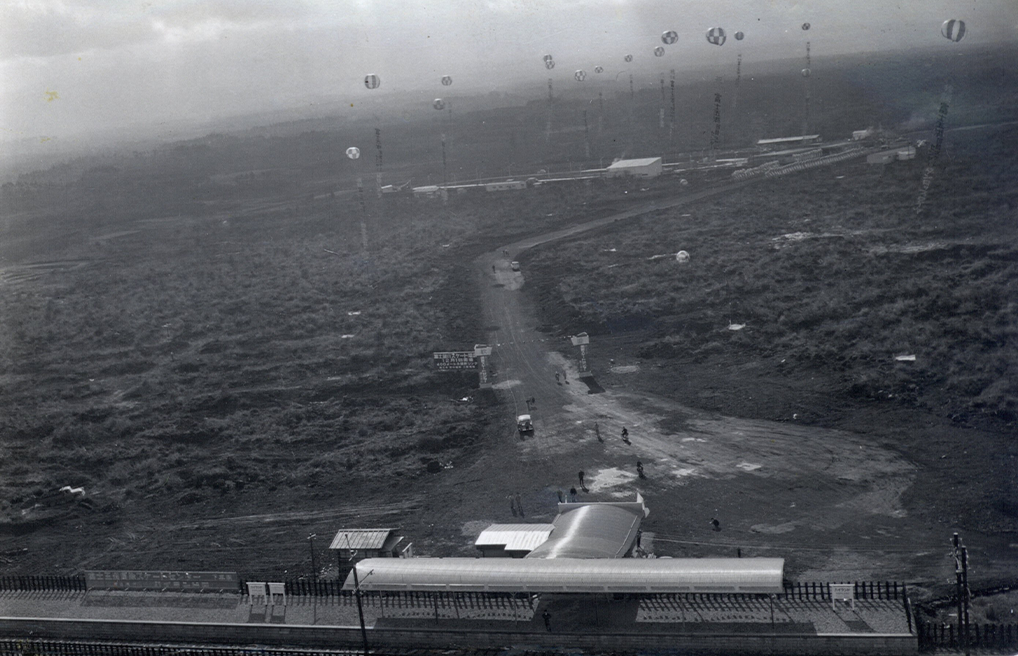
508	327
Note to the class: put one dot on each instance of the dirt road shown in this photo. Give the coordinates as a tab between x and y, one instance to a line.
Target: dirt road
828	501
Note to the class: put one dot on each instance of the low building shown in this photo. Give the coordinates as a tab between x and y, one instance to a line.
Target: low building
429	191
789	141
906	153
505	185
649	167
355	544
883	157
859	135
512	540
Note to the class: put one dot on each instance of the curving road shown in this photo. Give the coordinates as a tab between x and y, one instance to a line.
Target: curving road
804	485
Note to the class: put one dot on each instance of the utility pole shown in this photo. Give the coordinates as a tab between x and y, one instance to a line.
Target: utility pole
961	573
357	594
314	563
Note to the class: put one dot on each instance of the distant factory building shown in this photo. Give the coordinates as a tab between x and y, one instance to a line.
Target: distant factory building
512	540
505	185
908	152
888	156
649	167
789	141
429	191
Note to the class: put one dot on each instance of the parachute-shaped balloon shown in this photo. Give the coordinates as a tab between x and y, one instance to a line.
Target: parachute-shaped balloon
805	26
371	81
353	152
599	69
580	75
446	80
659	52
670	37
716	35
438	103
629	58
805	72
550	64
739	36
547	58
682	256
953	30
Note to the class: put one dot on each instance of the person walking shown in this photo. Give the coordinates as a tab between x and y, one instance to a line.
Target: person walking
582	486
639	469
597	431
547	619
625	435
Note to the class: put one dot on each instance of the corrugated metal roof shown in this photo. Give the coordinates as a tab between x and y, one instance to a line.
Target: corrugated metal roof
626	163
515	537
592	531
633	575
360	538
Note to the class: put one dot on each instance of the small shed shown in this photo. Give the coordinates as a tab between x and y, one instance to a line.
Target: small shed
355	544
512	540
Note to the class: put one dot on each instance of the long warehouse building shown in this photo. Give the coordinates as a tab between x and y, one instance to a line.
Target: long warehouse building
564	575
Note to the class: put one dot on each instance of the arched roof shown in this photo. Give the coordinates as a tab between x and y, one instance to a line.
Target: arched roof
591	531
608	575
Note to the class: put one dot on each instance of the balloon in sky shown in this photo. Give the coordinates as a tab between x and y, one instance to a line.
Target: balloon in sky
446	80
716	35
550	64
371	81
548	58
739	36
438	103
353	152
599	69
805	72
805	26
953	29
659	52
629	58
580	76
670	37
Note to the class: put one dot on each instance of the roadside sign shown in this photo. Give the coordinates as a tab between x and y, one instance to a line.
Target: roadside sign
452	360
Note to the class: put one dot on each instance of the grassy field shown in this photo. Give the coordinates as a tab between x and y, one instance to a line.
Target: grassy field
801	293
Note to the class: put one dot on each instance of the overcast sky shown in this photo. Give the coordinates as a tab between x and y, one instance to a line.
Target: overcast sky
77	66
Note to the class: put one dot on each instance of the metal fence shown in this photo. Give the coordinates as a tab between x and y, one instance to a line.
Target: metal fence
1002	637
890	590
35	583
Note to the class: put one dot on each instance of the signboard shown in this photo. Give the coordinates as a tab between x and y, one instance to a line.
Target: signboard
162	581
451	360
842	592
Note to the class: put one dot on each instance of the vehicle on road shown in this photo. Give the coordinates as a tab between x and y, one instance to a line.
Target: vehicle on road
515	266
524	424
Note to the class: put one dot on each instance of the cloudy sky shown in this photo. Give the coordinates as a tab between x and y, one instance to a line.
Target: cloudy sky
71	67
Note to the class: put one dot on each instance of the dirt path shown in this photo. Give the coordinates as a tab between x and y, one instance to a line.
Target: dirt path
828	501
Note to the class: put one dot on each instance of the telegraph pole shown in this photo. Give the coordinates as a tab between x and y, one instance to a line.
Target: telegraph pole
357	594
961	573
314	563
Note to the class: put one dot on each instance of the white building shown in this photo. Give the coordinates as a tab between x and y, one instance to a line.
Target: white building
859	135
505	185
789	141
649	167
